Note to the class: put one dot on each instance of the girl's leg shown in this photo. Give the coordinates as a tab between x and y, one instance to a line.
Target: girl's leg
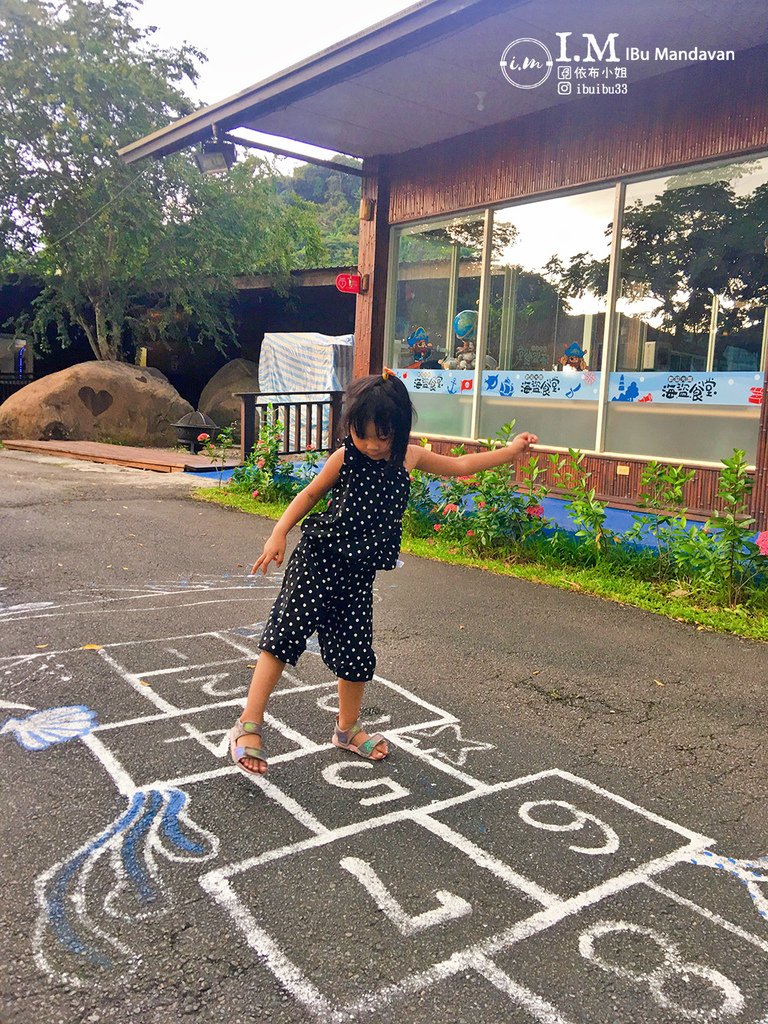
350	702
265	677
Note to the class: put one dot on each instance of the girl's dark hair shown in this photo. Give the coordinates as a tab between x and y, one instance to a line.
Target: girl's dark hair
384	403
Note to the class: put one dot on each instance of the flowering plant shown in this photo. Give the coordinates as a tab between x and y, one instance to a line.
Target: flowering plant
218	449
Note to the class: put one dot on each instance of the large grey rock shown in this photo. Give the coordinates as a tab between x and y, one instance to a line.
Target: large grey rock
217	399
95	401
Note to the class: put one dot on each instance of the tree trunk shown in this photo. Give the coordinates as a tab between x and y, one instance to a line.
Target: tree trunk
108	337
87	330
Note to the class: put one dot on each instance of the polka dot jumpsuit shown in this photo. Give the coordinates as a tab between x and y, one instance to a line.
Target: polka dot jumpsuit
328	582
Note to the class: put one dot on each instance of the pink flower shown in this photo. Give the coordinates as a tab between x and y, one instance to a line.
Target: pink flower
470	533
450	508
437	527
260	464
255	494
203	437
535	511
310	447
762	543
481	504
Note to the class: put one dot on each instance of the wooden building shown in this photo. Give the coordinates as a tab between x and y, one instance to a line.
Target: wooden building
571	203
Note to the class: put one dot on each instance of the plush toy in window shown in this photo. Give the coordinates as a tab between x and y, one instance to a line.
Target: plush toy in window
572	360
421	347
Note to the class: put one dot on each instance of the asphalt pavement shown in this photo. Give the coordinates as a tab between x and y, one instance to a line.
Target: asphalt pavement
571	827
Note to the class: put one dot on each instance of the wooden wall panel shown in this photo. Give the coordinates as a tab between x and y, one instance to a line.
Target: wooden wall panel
688	115
373	260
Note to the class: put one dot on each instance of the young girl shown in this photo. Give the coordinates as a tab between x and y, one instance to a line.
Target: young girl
328	583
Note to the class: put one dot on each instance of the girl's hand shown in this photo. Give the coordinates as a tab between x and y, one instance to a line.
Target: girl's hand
274	551
522	443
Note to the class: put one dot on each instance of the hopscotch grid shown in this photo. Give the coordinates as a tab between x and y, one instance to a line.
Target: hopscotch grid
216	882
294	979
555	909
696	845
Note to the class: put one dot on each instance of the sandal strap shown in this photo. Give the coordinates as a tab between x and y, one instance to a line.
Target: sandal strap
345	735
251	727
259	753
371	743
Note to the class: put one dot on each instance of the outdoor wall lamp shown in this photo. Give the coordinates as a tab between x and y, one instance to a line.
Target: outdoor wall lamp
215	157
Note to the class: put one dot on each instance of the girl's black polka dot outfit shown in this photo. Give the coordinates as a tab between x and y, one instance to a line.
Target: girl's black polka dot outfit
328	582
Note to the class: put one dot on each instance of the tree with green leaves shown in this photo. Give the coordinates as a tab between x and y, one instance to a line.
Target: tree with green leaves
698	239
123	253
335	196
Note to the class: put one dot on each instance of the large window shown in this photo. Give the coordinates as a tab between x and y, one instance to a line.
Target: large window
434	321
546	317
678	360
691	314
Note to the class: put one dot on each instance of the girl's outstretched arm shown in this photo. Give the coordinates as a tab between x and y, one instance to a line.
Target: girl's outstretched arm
466	465
306	499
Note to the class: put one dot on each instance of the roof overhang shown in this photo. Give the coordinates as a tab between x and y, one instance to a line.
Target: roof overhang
431	73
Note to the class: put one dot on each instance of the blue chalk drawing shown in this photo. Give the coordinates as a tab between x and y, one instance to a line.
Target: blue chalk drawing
491	383
154	823
453	386
42	729
507	387
751	873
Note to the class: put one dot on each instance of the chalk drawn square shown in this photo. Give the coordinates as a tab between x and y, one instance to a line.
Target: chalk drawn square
55	679
386	706
566	833
340	788
199	685
175	748
424	916
641	957
138	657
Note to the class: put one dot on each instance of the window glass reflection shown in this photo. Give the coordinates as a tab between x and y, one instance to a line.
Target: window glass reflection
694	271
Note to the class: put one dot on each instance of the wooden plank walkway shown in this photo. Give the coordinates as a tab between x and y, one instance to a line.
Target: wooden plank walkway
158	460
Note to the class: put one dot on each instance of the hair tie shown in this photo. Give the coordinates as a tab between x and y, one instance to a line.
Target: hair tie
386	373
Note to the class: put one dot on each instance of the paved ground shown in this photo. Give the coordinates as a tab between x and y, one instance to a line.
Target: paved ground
567	829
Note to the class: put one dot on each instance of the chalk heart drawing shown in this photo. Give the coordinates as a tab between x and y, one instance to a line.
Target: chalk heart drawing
116	875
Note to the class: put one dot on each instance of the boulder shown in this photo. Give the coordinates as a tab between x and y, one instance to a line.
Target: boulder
217	399
95	401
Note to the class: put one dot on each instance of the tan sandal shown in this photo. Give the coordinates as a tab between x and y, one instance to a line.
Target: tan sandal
237	752
342	739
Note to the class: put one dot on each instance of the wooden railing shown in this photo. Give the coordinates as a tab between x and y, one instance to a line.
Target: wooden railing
11	382
308	418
